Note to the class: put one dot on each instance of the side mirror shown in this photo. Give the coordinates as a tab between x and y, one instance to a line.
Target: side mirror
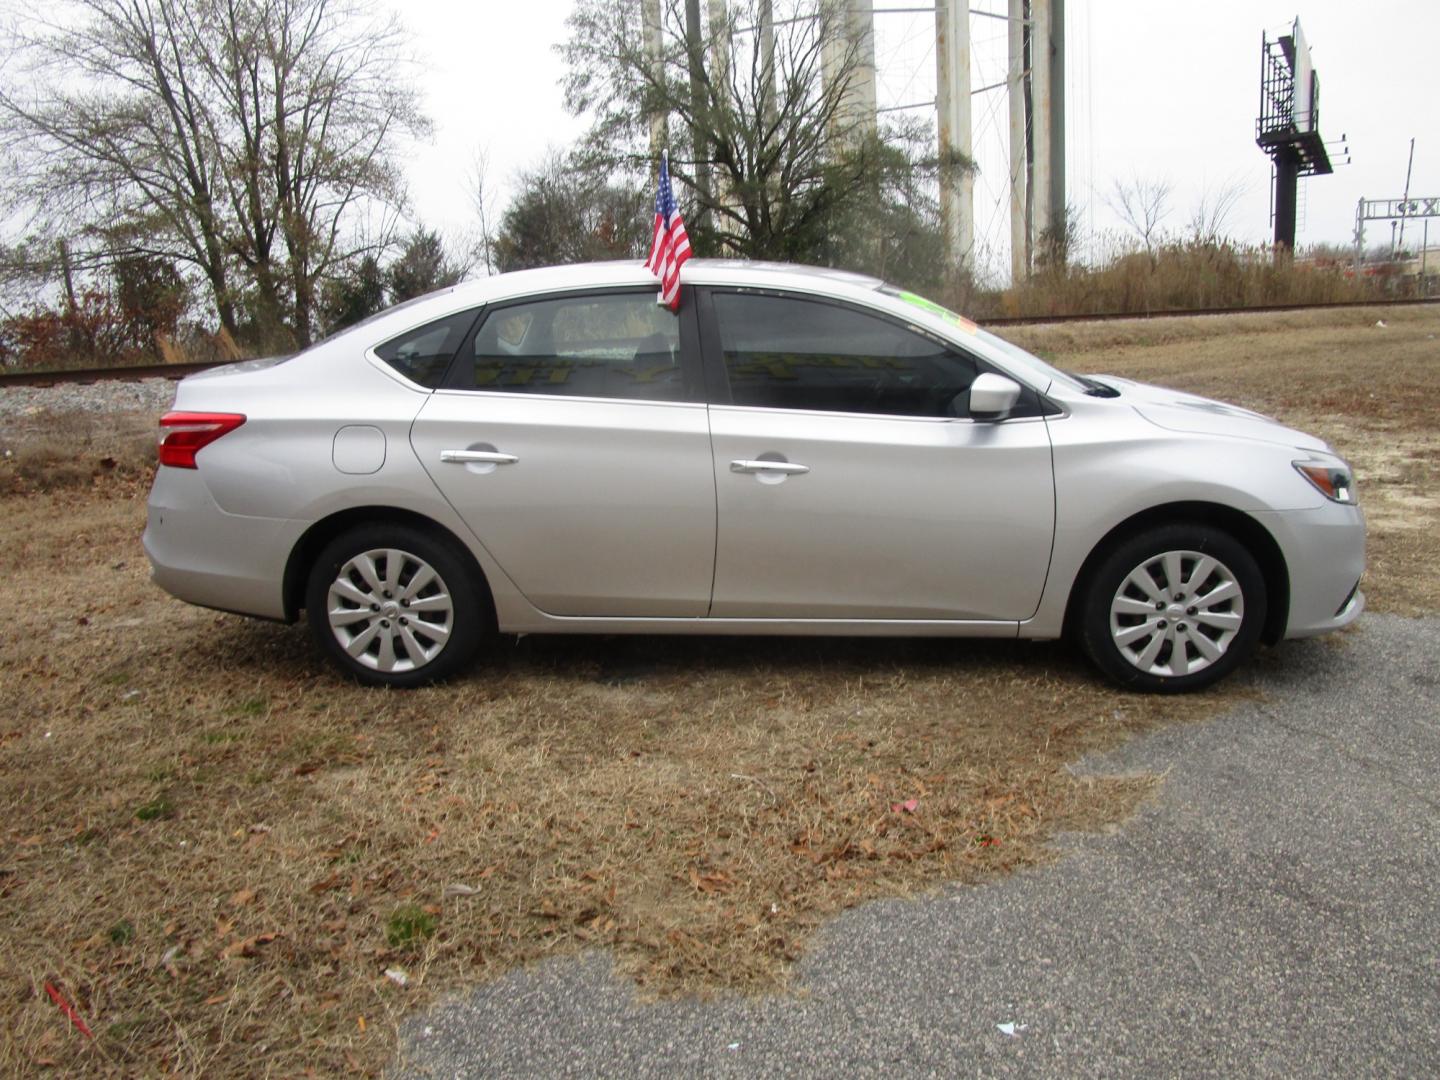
993	396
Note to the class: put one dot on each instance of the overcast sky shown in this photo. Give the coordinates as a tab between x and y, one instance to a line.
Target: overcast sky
1158	90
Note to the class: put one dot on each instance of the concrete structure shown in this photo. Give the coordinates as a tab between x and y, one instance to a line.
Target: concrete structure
655	49
952	106
850	54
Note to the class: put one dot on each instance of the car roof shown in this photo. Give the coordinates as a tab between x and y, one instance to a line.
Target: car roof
634	272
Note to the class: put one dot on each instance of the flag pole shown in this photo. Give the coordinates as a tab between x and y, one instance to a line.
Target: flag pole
670	245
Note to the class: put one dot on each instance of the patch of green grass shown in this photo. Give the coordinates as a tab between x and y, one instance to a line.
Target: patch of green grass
157	808
255	706
221	738
408	925
122	933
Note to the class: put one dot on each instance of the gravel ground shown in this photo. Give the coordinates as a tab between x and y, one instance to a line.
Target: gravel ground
106	419
111	395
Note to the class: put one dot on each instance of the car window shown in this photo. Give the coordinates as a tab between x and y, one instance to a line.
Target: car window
621	345
790	353
424	355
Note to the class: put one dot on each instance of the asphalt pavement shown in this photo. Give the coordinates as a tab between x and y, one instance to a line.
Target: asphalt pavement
1273	912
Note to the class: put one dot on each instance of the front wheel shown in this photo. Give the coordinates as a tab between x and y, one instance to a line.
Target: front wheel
393	606
1172	609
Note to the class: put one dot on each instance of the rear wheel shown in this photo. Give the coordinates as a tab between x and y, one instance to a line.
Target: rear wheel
1172	609
393	606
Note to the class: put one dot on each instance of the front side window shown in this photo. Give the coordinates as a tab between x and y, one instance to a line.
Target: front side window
620	345
423	355
789	353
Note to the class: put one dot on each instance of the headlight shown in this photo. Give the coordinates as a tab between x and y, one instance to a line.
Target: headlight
1335	482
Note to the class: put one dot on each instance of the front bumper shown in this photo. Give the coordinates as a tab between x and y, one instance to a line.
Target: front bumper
1324	550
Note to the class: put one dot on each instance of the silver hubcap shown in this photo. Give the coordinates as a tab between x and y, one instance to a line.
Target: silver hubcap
1176	613
390	610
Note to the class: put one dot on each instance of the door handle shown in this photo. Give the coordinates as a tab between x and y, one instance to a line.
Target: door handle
471	457
768	466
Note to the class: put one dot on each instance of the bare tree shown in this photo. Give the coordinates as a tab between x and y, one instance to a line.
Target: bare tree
768	141
1210	220
240	136
1142	204
481	248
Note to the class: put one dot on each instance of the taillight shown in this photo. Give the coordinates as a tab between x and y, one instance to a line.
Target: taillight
185	434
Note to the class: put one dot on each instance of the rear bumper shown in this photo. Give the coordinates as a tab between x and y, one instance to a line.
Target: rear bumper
202	555
1324	551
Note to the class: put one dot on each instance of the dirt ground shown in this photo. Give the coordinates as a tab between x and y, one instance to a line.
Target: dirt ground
226	860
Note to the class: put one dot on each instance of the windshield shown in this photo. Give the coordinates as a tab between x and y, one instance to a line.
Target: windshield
1039	371
1031	363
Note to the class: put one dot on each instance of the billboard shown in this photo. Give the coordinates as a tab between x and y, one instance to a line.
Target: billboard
1306	105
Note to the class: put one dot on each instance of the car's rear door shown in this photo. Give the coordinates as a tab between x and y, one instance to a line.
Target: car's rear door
572	438
850	481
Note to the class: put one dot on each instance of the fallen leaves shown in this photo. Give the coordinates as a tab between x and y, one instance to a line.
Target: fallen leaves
248	947
712	882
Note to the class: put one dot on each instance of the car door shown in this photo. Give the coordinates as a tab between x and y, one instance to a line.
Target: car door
851	483
571	436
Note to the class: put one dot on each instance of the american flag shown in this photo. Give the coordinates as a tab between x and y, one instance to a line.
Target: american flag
670	247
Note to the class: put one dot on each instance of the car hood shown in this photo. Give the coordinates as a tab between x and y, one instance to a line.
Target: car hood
1177	411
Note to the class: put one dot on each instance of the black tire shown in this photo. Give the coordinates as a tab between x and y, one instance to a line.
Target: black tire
1144	646
426	645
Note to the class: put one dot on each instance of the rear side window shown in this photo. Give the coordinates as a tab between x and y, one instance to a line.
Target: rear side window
616	345
790	353
424	355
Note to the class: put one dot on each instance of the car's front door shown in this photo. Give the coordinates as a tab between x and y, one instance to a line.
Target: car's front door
851	483
572	439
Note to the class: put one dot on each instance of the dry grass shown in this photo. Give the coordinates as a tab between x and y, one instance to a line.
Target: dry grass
1184	275
216	850
48	451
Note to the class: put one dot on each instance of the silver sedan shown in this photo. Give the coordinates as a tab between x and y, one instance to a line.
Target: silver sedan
796	451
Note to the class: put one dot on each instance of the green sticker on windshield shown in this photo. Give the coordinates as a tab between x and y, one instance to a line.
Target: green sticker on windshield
935	309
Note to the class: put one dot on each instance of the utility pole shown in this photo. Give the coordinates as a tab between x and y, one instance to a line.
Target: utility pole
1039	131
1406	197
957	182
1359	233
699	107
1015	88
720	47
1059	222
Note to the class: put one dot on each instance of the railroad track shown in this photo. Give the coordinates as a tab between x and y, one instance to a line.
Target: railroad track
135	373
